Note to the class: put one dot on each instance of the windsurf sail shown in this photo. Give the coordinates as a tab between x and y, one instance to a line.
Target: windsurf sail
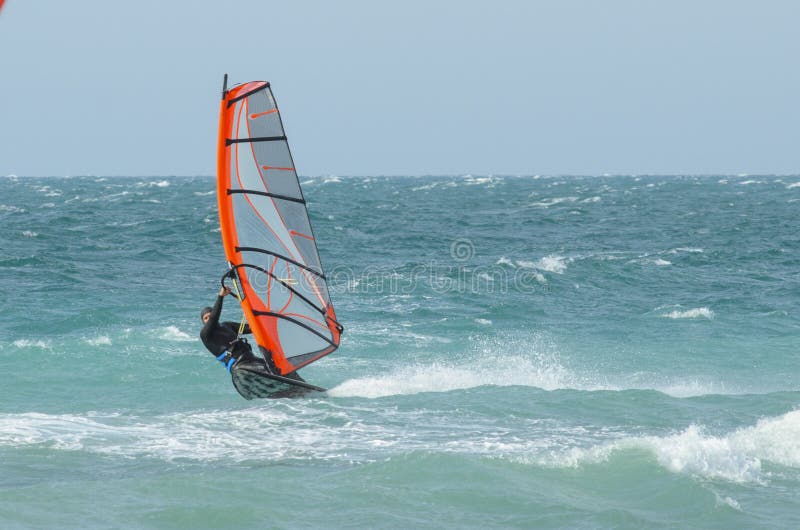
267	236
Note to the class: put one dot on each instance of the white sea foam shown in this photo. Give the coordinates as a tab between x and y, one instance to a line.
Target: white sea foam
11	208
30	343
687	388
736	457
174	334
556	264
793	185
690	250
204	193
546	203
698	312
154	184
728	501
102	340
441	377
330	430
527	361
472	181
525	265
483	321
283	433
661	262
425	187
504	261
29	233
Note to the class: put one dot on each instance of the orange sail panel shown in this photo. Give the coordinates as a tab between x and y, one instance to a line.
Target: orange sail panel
267	234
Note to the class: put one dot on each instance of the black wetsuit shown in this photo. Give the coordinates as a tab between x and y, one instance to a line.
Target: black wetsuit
221	337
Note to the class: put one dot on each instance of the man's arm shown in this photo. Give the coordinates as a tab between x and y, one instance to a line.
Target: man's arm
216	311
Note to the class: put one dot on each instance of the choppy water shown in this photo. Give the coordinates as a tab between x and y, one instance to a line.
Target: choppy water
519	352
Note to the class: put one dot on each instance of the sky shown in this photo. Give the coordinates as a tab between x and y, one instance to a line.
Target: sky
113	87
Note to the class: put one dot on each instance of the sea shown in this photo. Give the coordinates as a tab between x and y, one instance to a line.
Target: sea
519	352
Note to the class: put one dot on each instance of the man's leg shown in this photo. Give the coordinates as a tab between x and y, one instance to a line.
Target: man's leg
243	352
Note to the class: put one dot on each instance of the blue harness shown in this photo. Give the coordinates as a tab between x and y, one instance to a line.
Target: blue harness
227	360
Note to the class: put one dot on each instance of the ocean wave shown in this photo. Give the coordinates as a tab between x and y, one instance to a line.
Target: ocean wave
323	430
284	433
505	261
547	203
426	187
101	340
697	312
112	197
172	333
469	180
556	264
690	250
685	388
153	184
539	368
31	343
735	457
793	185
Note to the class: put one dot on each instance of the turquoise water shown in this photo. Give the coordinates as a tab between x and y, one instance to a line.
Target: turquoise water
519	352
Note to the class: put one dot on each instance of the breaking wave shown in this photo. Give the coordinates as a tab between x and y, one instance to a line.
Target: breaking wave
737	456
698	312
174	334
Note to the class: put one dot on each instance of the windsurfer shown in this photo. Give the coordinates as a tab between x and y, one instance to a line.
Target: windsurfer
222	338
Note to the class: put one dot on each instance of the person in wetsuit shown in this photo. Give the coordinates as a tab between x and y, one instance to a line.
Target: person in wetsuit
222	338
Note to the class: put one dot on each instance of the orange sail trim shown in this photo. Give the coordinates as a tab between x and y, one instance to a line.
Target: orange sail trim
266	168
227	226
286	299
254	116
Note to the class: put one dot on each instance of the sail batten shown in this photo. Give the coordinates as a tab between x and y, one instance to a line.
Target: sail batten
267	233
